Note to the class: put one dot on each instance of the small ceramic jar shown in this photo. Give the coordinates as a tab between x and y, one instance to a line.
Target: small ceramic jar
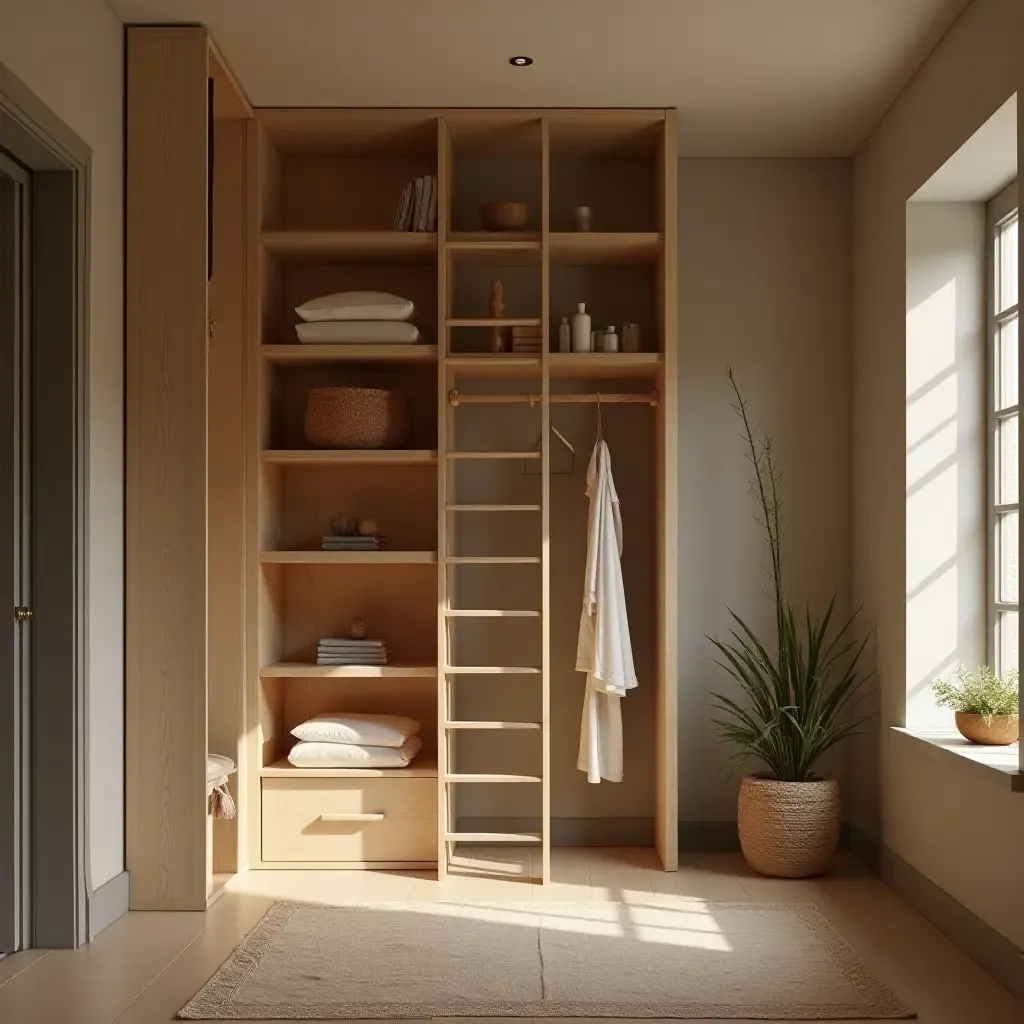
582	219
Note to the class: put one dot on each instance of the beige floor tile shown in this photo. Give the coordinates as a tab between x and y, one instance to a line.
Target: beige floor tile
489	890
134	948
562	892
25	999
15	963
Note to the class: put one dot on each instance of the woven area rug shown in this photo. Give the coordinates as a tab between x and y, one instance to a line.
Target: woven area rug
768	961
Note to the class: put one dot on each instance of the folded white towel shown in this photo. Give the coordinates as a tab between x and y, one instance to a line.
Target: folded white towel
350	755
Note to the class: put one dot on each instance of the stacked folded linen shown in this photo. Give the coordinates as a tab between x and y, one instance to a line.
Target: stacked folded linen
345	651
373	318
352	542
356	741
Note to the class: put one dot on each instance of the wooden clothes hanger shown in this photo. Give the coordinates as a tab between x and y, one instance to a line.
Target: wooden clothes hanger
531	467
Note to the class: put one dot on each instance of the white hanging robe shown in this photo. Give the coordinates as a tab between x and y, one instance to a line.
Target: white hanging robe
603	651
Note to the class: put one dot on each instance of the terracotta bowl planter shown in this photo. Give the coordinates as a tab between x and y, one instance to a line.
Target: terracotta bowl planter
999	731
788	829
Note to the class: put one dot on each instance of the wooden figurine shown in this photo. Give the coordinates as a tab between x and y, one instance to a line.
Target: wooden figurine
497	307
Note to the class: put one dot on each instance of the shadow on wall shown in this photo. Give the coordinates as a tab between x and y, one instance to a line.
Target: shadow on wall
946	455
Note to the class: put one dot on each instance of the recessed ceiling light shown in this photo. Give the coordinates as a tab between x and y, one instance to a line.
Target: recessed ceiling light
520	62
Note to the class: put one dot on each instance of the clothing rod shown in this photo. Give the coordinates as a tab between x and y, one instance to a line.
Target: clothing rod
652	398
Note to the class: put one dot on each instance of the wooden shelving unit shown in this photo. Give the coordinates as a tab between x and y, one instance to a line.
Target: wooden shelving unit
479	533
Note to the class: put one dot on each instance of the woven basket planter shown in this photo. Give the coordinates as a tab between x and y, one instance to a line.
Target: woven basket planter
357	418
998	731
788	829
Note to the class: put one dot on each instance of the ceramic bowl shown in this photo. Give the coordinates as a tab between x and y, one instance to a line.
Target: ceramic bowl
504	216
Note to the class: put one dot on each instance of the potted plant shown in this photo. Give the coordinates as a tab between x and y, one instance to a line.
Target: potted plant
987	707
802	692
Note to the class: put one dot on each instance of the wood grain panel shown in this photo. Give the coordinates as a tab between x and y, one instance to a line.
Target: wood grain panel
667	704
229	335
166	599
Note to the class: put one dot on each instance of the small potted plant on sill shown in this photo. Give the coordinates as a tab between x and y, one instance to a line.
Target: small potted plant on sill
987	708
802	700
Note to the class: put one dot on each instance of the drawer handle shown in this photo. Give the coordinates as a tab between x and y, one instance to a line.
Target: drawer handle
352	817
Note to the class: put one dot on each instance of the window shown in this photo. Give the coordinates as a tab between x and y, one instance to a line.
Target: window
1004	492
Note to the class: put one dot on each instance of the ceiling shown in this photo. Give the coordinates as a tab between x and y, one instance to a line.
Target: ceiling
749	77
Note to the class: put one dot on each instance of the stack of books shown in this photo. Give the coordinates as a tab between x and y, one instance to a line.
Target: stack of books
351	542
527	340
351	652
417	207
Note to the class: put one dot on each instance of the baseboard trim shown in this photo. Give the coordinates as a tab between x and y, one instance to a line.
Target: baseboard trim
572	831
107	904
982	943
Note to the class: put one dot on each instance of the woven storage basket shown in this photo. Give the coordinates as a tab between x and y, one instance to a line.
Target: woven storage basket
357	418
788	829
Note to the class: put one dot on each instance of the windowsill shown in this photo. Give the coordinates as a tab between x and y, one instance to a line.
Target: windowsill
999	762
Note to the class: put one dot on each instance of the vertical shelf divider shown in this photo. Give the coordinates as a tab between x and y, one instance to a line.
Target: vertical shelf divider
545	302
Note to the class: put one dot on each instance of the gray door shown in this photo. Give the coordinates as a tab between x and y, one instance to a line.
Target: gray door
15	599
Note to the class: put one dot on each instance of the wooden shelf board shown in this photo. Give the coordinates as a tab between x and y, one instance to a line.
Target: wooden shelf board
488	365
423	767
640	365
491	613
350	457
596	247
320	246
297	353
348	557
494	322
500	248
304	670
487	726
492	508
493	455
491	670
492	560
495	777
492	837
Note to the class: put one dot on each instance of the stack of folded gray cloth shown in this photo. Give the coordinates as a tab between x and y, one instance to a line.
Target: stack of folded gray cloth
332	651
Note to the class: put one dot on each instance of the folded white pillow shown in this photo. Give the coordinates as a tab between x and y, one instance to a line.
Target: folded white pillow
365	730
326	331
218	766
350	755
356	306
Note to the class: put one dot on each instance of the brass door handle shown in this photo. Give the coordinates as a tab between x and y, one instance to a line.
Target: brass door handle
23	614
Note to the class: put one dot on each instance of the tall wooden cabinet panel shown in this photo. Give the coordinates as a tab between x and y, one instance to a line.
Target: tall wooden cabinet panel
183	534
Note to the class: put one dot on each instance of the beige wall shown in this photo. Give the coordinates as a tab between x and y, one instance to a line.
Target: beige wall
764	286
975	69
69	53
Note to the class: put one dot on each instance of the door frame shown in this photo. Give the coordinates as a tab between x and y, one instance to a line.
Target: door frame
60	164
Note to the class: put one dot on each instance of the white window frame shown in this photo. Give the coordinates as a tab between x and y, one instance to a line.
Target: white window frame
1000	209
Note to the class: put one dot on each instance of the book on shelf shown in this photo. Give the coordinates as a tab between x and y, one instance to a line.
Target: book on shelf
424	213
523	331
402	214
417	206
432	209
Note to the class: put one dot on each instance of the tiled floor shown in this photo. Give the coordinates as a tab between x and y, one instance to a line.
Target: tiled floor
143	968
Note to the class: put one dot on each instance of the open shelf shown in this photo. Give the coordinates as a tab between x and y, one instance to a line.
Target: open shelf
423	767
498	247
348	557
286	355
598	247
642	365
350	457
495	365
302	670
309	246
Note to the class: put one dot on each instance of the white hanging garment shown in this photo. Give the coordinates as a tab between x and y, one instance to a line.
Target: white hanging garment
603	651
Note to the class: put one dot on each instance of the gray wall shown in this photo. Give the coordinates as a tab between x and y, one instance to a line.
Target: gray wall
906	790
70	54
764	286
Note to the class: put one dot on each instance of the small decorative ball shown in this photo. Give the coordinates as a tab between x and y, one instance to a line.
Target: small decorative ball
368	527
344	524
357	630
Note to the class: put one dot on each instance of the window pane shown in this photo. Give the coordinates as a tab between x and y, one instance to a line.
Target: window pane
1007	265
1007	460
1006	378
1007	575
1007	642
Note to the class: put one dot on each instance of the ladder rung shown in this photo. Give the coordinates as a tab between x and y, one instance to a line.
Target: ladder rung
492	837
492	560
491	670
491	613
494	777
492	508
492	725
493	455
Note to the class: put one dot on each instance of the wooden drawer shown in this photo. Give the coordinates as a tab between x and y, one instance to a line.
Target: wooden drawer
350	820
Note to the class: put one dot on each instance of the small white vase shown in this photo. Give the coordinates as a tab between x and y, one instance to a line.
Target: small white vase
581	329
